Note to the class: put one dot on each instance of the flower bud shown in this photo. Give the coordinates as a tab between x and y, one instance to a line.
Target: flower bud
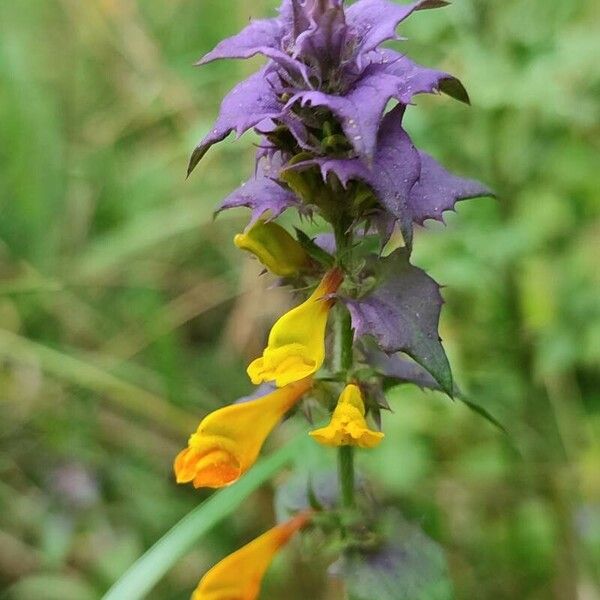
274	247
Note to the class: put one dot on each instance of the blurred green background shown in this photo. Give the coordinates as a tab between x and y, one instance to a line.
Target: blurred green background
126	314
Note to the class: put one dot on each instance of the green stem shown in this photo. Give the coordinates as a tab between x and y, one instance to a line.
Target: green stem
343	352
346	471
342	364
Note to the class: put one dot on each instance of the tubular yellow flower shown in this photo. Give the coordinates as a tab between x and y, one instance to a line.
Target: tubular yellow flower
348	426
228	441
274	247
296	347
239	575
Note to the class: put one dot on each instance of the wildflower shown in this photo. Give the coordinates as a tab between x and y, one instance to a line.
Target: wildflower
274	247
228	441
296	346
239	575
348	426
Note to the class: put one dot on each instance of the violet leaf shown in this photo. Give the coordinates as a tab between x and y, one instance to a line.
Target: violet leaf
438	190
407	565
247	104
263	194
375	21
402	314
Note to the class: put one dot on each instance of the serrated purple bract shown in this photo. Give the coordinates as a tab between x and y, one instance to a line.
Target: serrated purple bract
402	315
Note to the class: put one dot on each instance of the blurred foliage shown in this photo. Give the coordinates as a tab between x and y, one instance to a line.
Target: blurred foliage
126	314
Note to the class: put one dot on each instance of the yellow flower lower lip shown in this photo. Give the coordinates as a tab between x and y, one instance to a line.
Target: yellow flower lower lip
348	426
296	346
282	365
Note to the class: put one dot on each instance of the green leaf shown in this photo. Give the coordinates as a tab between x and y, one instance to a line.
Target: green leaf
482	412
152	566
407	566
314	250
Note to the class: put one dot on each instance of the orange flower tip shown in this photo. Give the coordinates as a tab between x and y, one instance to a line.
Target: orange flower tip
289	528
301	519
239	575
215	468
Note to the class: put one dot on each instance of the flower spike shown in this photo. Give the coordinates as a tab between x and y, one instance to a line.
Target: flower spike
239	575
228	441
296	346
348	426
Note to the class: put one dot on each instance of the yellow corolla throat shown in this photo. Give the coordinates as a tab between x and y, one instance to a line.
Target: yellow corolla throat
274	247
228	441
239	575
348	426
296	346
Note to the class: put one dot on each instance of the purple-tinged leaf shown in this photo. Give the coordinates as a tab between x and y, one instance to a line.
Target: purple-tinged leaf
437	190
262	36
361	108
323	41
359	111
248	103
407	565
398	368
402	314
413	78
394	172
294	495
263	193
384	224
375	21
326	241
294	19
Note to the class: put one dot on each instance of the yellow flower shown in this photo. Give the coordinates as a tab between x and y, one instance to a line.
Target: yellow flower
228	441
274	247
239	575
348	426
296	347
